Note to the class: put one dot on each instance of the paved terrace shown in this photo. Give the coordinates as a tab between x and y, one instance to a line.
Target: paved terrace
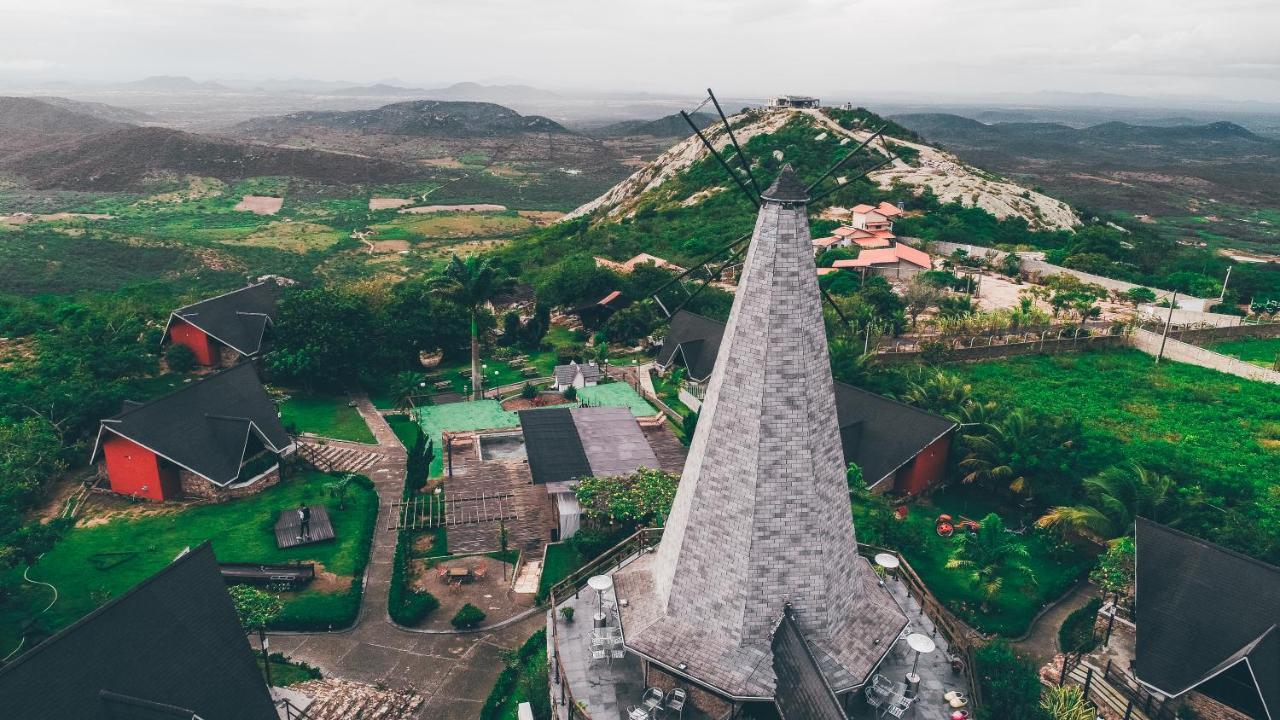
605	689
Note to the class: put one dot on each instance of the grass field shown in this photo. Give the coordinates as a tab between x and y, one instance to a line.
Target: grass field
562	559
1204	428
1264	352
328	416
93	564
617	394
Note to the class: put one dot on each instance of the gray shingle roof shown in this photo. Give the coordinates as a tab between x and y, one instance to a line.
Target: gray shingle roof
552	446
878	433
565	373
1203	609
205	425
786	188
564	444
172	643
238	319
761	519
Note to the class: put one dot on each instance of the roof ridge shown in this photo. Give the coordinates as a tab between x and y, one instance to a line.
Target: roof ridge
184	388
182	558
896	401
1141	520
225	294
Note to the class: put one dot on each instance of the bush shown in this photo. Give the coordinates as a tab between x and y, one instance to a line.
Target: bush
406	606
1076	633
523	680
468	616
1009	684
571	393
180	358
528	392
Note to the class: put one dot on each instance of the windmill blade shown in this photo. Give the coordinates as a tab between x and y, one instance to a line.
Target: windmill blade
830	301
746	164
839	164
700	265
707	143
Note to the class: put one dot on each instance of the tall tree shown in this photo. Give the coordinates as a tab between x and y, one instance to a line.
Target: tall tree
472	283
1116	497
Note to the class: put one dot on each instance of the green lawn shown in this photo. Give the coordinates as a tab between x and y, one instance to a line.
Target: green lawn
285	673
523	680
405	428
478	415
92	564
1010	612
328	416
617	394
1264	352
1203	428
562	559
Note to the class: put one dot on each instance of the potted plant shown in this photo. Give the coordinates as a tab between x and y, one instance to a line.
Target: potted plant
567	612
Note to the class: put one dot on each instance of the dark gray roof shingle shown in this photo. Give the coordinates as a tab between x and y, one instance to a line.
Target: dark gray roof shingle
172	643
1202	609
694	340
802	692
787	188
204	426
565	373
552	446
238	319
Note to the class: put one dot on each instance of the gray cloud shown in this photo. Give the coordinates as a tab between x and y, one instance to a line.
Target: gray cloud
748	47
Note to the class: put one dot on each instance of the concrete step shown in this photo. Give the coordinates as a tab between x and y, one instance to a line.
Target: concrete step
530	575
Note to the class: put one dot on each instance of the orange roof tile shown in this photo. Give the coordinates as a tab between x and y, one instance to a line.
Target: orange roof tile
872	242
826	271
888	209
863	208
913	256
825	241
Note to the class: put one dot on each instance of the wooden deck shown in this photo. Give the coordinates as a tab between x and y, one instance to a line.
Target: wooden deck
289	531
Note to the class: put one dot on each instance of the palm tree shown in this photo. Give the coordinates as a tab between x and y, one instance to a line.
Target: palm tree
992	556
406	385
1116	497
472	283
940	392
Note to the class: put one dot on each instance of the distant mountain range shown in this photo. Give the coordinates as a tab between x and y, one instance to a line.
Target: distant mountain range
51	144
423	118
670	126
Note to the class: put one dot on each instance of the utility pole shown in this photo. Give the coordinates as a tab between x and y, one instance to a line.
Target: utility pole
1165	338
1225	280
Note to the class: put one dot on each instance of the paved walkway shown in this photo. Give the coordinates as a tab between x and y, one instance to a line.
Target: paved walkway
453	672
1041	642
1176	350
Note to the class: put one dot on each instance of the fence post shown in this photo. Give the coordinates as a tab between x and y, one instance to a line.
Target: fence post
1111	621
1088	682
1128	710
1062	676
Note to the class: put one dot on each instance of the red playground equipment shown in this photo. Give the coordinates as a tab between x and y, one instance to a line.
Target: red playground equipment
946	526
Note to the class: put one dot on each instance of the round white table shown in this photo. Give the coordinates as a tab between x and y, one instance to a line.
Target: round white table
921	644
600	583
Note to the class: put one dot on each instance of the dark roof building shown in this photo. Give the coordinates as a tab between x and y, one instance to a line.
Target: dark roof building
881	435
237	320
170	648
207	427
803	693
1207	621
576	375
564	444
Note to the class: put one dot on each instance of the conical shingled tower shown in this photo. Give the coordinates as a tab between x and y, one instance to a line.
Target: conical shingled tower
762	515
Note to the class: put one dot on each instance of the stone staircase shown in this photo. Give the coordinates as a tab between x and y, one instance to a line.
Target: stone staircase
336	458
334	699
527	580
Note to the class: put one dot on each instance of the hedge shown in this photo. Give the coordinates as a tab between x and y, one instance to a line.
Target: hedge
406	607
523	680
1076	633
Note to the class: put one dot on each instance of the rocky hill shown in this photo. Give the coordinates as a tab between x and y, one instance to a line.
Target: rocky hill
920	167
419	118
664	127
27	123
129	158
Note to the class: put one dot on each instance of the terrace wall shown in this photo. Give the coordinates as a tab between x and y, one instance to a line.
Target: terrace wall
197	487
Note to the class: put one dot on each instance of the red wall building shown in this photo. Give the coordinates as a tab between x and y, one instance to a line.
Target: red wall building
135	470
204	347
925	470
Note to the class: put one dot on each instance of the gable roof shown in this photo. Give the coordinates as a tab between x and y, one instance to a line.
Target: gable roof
878	433
697	338
802	691
888	209
565	373
886	256
205	426
237	319
564	444
1204	609
169	647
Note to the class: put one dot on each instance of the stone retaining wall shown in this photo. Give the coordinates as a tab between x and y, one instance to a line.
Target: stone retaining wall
1176	350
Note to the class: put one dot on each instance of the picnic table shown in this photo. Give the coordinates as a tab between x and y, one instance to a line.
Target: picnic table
459	572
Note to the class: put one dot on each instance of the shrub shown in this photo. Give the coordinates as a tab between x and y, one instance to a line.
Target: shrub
180	358
407	606
1009	684
523	680
528	392
571	393
468	616
1076	633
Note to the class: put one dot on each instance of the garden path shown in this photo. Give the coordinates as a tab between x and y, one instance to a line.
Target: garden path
453	672
1041	641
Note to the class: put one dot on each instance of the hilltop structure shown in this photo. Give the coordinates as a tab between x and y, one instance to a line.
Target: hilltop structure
222	329
761	528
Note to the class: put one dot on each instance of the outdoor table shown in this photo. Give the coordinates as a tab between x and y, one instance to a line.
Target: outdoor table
459	573
600	583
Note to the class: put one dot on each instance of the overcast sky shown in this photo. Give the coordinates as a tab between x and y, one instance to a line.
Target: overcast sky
845	48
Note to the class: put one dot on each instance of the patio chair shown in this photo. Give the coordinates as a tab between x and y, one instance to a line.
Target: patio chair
652	699
899	708
637	713
598	653
442	572
480	571
675	700
875	698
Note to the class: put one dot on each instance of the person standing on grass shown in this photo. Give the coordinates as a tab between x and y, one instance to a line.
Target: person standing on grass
304	522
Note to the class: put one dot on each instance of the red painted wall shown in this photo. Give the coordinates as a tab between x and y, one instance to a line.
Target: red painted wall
204	347
135	470
926	469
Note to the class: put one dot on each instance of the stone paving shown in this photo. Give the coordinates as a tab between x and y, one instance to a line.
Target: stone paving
454	673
